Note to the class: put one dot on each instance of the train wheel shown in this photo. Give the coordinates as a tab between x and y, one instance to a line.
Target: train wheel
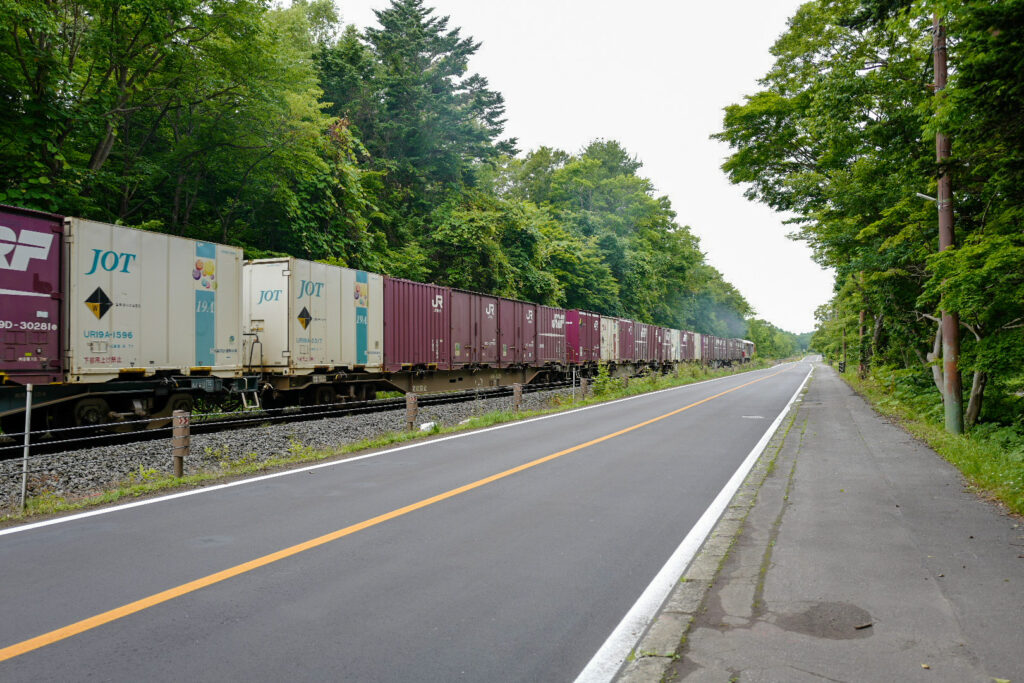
89	412
321	394
180	402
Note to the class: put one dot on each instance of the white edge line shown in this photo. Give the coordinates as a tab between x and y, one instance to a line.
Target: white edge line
343	461
607	661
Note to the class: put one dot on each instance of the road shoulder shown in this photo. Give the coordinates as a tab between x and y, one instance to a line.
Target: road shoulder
851	552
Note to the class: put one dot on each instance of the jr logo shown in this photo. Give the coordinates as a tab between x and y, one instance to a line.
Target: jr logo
111	261
269	295
489	311
309	288
27	246
438	303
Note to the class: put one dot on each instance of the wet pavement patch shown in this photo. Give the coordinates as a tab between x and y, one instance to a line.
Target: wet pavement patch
833	620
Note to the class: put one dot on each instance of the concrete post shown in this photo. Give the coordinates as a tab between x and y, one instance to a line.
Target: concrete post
584	385
181	440
517	397
411	410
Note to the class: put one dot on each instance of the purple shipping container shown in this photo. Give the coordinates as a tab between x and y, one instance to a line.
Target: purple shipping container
550	335
582	336
417	325
517	332
627	347
474	329
30	278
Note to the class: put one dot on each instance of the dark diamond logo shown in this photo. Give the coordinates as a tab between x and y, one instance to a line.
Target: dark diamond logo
98	303
304	317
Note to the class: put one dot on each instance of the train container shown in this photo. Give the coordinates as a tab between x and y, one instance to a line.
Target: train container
417	325
31	321
686	345
517	333
550	336
582	336
665	348
141	303
627	341
647	342
674	344
474	329
305	317
609	339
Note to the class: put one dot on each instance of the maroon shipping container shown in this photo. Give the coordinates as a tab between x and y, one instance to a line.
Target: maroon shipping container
642	334
627	348
517	332
474	329
550	335
707	348
30	279
582	336
417	325
686	345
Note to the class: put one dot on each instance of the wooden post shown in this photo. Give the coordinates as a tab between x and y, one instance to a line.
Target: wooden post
181	440
411	409
517	397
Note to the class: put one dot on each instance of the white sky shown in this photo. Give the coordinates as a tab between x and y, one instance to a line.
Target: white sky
654	75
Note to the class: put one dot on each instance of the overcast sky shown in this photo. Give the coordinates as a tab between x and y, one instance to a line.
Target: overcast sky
653	75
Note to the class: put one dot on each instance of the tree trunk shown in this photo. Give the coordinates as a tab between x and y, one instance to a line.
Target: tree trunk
977	394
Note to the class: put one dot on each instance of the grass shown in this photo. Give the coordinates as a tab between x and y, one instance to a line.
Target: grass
990	458
148	481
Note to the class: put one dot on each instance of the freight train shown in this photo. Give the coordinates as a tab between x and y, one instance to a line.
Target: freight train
116	325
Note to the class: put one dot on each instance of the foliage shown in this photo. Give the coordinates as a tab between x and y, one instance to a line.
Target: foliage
773	342
842	136
279	130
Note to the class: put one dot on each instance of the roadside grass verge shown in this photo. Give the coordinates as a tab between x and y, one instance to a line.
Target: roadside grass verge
991	459
146	482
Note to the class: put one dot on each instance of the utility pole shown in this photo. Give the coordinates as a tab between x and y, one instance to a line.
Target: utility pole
952	389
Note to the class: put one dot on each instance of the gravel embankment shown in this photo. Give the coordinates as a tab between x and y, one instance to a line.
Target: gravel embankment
79	473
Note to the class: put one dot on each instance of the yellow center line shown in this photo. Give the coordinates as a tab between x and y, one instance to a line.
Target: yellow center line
59	634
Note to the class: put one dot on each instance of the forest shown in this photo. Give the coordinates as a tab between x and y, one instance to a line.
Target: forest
283	131
842	138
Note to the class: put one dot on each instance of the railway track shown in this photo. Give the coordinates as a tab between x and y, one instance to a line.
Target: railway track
66	440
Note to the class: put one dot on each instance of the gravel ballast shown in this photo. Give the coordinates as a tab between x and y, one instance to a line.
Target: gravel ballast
78	474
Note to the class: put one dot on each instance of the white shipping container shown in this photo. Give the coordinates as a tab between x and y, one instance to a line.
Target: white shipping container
676	337
609	339
145	302
303	316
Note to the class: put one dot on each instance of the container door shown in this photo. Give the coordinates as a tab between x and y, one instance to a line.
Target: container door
462	328
488	330
528	334
508	349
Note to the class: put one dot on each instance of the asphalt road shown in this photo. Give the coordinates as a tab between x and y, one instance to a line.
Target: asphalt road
519	577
